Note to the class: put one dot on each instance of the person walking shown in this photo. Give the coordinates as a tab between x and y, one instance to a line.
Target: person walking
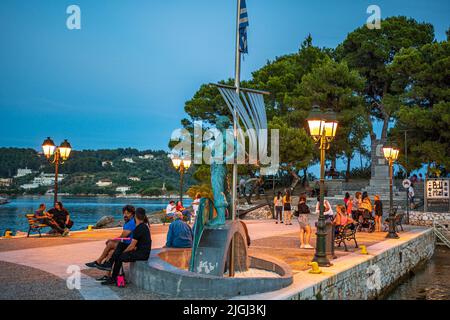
355	206
303	221
287	208
278	203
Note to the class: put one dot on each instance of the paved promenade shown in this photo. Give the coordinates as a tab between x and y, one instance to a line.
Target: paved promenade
36	268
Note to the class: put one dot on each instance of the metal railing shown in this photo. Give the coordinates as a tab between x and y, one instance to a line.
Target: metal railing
442	234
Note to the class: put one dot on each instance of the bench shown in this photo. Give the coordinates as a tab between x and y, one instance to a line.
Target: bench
398	220
34	225
346	233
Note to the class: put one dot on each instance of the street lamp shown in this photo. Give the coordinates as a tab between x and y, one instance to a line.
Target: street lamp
181	165
322	127
391	154
60	154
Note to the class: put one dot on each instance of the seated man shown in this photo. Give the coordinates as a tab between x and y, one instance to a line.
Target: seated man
44	217
61	216
125	237
137	250
180	233
171	208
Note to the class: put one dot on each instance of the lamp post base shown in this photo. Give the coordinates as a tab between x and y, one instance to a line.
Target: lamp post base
322	261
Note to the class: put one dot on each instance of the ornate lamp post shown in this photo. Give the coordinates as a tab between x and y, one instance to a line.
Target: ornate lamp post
181	165
322	127
60	154
391	154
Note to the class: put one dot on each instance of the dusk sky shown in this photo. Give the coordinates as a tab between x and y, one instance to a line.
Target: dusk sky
122	80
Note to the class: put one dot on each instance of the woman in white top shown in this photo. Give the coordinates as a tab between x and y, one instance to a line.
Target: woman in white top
328	211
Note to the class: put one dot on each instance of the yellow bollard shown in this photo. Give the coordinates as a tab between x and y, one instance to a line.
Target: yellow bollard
364	250
90	227
8	234
315	268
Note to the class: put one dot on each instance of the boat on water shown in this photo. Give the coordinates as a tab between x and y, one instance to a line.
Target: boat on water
3	200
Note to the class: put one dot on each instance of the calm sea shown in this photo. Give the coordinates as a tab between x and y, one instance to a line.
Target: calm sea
83	211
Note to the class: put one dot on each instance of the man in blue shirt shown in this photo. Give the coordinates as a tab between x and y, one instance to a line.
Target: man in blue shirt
179	234
112	244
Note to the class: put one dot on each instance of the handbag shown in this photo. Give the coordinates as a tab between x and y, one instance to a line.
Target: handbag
121	279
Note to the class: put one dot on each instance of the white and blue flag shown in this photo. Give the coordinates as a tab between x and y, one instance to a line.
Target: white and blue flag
243	25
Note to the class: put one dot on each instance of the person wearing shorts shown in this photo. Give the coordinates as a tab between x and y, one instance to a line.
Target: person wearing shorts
278	203
303	221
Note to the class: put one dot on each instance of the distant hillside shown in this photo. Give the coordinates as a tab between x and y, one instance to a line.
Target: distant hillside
85	168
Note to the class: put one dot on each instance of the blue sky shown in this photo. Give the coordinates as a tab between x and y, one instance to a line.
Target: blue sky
122	80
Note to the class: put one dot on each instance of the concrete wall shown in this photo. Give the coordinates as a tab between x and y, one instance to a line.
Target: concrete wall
360	281
420	218
361	277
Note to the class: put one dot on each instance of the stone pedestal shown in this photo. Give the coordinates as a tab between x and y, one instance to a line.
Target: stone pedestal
212	255
379	180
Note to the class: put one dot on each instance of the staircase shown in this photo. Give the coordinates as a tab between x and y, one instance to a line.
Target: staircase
442	234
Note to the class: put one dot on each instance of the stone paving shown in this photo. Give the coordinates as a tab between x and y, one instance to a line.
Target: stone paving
43	261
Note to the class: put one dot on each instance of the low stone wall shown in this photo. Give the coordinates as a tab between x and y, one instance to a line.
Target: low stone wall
361	277
263	213
420	218
372	278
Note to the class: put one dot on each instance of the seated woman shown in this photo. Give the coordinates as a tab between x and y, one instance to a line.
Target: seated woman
62	217
342	219
137	250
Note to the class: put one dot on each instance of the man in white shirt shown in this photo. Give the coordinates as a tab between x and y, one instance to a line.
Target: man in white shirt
328	210
170	209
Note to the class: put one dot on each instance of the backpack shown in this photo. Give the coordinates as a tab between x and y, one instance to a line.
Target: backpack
121	279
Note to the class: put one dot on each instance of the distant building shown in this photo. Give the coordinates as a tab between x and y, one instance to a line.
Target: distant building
107	163
28	186
23	172
104	183
134	178
129	160
47	179
123	189
5	182
147	157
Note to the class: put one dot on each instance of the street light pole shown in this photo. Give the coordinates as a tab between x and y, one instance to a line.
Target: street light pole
181	181
55	191
322	129
391	154
60	154
320	255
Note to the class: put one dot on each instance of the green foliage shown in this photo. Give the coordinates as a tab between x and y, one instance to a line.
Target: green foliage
423	77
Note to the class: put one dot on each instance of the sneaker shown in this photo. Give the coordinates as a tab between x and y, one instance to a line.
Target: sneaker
308	246
276	222
107	266
65	233
302	246
109	282
92	264
102	279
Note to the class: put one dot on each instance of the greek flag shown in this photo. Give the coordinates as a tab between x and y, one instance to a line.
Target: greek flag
243	24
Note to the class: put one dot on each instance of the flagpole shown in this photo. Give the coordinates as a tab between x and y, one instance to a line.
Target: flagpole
237	84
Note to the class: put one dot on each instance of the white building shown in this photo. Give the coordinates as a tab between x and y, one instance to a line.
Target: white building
129	160
47	179
28	186
134	178
5	182
104	183
107	163
147	157
123	189
23	172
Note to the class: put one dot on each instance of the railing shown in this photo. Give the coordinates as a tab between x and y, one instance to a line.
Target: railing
442	233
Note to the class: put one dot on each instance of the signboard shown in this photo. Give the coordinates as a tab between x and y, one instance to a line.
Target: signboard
438	189
437	195
406	183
